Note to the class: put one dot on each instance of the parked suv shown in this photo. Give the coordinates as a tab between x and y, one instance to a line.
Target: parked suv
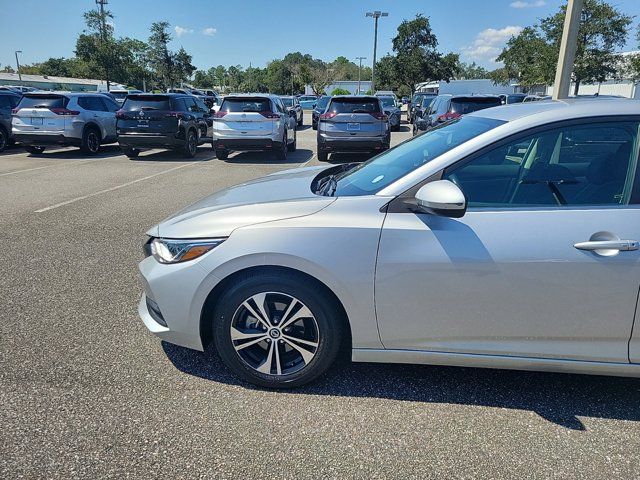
294	108
121	94
417	102
390	109
8	101
318	110
86	120
253	122
353	123
450	107
173	121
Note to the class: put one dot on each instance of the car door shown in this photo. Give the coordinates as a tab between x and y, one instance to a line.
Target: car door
522	274
109	110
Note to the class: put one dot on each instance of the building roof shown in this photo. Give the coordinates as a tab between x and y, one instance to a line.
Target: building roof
14	77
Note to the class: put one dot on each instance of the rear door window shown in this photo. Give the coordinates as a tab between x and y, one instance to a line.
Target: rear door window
43	101
93	104
146	102
354	105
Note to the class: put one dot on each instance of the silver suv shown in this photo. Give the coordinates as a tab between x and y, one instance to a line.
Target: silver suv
353	123
86	120
253	122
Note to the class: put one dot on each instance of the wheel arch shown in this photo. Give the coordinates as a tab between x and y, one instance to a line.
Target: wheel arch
213	296
94	126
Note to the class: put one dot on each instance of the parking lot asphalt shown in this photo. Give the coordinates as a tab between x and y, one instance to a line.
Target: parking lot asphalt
87	392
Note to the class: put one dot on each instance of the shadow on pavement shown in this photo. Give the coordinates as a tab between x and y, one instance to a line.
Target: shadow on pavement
349	157
52	152
301	155
559	398
205	152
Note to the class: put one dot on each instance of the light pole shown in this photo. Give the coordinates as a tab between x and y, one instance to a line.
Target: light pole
375	15
568	47
359	69
18	65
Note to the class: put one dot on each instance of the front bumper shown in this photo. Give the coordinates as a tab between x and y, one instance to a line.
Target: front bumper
42	139
176	295
149	140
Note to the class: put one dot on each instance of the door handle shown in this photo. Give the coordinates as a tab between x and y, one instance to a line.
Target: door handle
620	245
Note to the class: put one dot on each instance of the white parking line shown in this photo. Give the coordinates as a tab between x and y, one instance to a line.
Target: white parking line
304	163
111	189
47	166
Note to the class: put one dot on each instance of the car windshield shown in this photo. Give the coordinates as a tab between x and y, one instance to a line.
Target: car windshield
322	103
370	177
468	105
387	102
307	98
288	102
515	98
236	105
354	105
119	94
146	102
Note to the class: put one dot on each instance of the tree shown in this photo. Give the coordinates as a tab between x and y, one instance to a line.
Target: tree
254	80
340	91
416	57
183	69
471	71
278	77
160	58
531	57
97	46
7	69
234	76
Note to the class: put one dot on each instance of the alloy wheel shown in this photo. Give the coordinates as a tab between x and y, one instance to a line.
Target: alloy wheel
275	333
93	143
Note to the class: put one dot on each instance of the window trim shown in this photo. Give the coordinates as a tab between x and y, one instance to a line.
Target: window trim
403	203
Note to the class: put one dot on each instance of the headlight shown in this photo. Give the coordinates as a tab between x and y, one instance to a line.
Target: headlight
167	250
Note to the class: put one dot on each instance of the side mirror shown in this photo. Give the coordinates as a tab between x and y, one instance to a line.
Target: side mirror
421	124
443	198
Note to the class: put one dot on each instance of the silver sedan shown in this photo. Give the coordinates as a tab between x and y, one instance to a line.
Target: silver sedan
506	239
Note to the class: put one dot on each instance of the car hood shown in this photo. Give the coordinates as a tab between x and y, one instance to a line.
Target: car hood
278	196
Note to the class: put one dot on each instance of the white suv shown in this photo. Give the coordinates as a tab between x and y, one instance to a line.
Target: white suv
86	120
253	122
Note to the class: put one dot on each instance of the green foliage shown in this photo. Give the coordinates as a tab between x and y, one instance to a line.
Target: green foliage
339	91
531	57
415	58
471	71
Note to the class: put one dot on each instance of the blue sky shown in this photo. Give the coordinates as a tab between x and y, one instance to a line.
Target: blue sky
238	32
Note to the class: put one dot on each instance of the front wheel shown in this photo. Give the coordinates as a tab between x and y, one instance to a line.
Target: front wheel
222	154
3	139
323	156
281	153
131	152
293	145
276	330
90	141
191	144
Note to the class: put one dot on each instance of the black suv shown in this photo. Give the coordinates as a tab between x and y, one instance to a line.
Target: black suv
8	101
451	107
166	120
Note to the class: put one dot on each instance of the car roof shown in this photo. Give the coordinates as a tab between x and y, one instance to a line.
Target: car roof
469	95
548	110
361	97
251	95
11	92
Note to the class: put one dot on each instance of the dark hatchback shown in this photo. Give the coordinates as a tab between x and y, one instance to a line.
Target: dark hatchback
171	121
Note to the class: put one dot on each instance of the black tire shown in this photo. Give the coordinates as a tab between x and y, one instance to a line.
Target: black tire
314	126
131	152
90	144
323	156
281	153
222	154
34	149
301	121
4	139
190	144
330	329
293	145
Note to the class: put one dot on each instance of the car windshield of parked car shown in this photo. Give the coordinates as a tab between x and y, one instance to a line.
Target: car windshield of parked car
322	103
468	105
237	105
372	176
44	101
306	98
288	102
515	98
146	102
119	95
387	101
354	105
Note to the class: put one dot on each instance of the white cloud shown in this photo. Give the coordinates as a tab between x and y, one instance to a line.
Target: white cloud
180	31
489	43
530	4
209	31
